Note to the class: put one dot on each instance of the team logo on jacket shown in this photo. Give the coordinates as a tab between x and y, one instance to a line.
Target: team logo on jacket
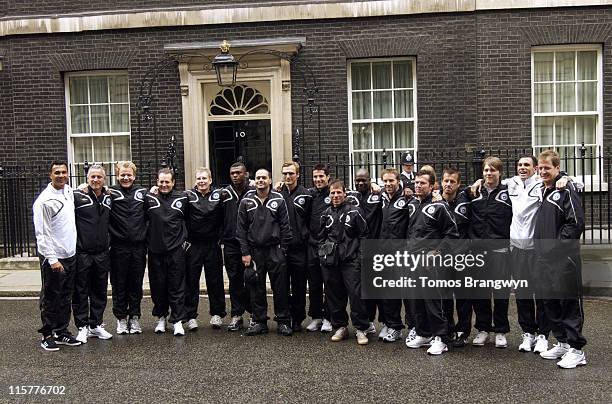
274	204
138	195
347	219
179	204
327	200
503	197
107	201
463	210
401	203
215	195
301	201
375	198
431	210
556	197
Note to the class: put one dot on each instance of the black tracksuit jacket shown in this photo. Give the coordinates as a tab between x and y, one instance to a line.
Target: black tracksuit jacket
395	216
461	210
371	207
320	201
430	221
92	219
299	203
345	226
491	216
205	215
231	200
262	225
128	224
560	217
166	214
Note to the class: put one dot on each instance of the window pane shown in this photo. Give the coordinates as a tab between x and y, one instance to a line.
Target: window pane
383	135
99	119
78	90
402	74
587	65
81	149
120	118
79	119
586	127
118	88
404	135
382	104
587	96
381	75
102	149
362	159
543	66
564	131
403	104
543	131
98	88
121	148
543	94
361	106
565	66
362	136
568	163
566	98
360	76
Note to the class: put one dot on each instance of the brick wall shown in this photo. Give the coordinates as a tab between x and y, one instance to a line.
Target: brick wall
473	75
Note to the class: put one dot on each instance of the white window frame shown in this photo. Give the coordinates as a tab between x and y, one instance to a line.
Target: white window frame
70	135
592	182
391	151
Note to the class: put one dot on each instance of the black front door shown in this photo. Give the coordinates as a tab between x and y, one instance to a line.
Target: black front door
234	140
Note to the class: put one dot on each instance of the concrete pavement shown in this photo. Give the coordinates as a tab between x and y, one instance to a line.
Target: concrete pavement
214	366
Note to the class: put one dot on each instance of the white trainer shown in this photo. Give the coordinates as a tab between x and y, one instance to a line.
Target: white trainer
500	340
82	334
340	334
541	344
191	324
179	331
122	326
383	332
418	342
362	338
99	332
315	325
556	352
528	342
135	327
216	322
481	338
572	358
392	335
371	330
160	326
411	334
326	326
437	347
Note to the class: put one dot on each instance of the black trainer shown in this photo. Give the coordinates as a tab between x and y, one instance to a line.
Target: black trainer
256	328
460	341
67	339
48	344
284	330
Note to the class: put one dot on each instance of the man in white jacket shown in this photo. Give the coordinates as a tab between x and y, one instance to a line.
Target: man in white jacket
54	225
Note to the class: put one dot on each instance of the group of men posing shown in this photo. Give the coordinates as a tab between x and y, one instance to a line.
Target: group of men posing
302	237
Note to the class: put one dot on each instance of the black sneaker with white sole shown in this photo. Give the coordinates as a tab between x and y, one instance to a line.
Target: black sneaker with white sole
67	339
49	344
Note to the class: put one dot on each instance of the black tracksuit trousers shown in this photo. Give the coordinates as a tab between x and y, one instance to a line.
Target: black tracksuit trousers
232	258
205	253
494	318
55	296
566	314
530	309
128	264
464	316
90	288
271	261
318	307
342	286
297	271
431	318
167	281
